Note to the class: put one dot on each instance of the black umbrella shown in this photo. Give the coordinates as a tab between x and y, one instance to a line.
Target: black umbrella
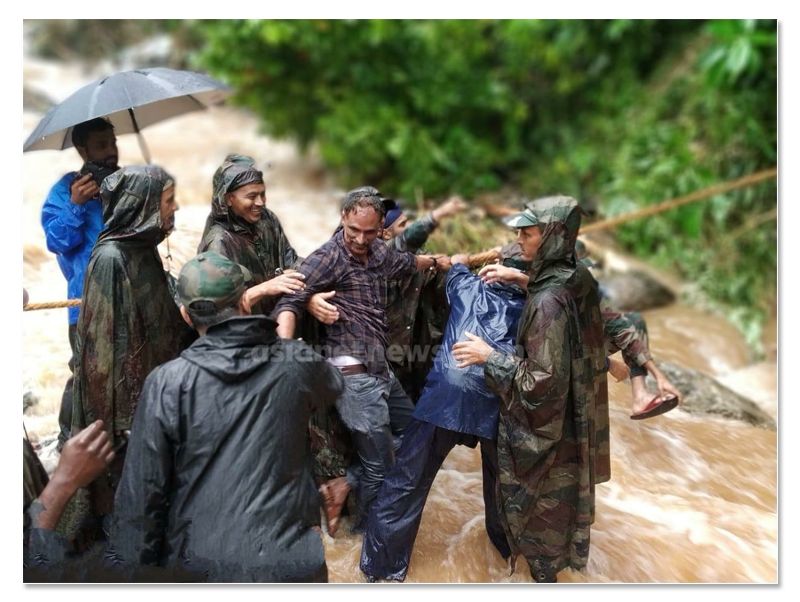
131	100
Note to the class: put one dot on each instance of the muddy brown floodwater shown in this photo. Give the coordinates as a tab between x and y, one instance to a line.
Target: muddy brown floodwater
684	503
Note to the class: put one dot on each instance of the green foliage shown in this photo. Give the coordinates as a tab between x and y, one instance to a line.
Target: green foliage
715	121
619	113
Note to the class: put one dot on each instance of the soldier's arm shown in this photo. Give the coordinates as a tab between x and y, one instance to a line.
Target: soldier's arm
320	276
415	235
540	378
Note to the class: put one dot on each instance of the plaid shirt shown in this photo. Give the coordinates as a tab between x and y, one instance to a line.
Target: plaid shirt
361	330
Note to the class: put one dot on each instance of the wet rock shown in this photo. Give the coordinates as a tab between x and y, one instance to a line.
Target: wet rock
635	291
704	395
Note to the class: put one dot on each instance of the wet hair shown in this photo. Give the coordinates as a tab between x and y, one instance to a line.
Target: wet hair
366	196
80	133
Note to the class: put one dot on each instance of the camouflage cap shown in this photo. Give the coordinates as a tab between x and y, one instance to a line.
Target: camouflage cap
522	220
210	283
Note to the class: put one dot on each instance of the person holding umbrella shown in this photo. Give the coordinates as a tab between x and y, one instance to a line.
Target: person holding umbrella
72	218
89	119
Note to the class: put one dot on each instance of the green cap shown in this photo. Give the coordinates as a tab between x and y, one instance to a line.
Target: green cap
521	220
210	283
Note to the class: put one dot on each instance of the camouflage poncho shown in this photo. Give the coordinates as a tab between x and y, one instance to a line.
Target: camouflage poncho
128	323
553	431
261	247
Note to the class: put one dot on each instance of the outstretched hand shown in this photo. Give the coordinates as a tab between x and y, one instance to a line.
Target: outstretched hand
84	457
450	207
285	284
667	389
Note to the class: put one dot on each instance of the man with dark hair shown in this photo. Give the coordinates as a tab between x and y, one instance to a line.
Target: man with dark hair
357	266
218	479
72	218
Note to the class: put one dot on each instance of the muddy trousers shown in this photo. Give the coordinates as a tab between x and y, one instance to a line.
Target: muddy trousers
396	514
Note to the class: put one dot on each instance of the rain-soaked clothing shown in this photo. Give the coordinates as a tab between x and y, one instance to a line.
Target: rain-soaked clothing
129	322
361	330
416	311
553	430
261	247
218	479
456	408
361	333
70	231
626	332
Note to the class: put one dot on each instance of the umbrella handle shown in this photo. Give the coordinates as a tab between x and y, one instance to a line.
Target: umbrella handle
139	137
143	147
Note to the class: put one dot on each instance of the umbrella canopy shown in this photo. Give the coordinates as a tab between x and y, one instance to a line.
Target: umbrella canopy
131	100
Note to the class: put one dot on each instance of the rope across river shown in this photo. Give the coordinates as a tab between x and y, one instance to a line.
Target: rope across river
481	258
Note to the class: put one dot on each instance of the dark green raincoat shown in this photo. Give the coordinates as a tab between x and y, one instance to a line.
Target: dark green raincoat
129	322
261	248
553	431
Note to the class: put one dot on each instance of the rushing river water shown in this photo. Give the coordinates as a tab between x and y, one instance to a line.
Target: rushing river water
692	498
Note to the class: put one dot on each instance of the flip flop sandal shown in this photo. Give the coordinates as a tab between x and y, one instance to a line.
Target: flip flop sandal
656	407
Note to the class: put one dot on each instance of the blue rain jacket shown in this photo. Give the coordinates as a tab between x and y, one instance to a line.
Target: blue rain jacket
458	398
71	231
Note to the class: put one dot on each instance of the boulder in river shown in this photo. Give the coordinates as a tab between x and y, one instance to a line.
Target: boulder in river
704	395
635	290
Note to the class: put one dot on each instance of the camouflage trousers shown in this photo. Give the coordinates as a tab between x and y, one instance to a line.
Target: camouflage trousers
330	444
545	518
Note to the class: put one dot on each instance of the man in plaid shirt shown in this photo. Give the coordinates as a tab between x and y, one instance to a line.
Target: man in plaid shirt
357	265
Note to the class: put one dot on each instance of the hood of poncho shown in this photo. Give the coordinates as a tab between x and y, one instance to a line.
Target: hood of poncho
131	200
559	220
